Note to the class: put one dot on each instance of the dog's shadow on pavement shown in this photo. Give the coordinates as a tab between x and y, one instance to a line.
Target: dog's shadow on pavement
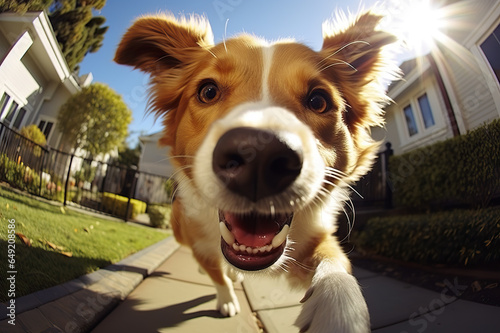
173	315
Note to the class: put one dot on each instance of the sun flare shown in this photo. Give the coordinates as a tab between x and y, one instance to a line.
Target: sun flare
423	23
419	24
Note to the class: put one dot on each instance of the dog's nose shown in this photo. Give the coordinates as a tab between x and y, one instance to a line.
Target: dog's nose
257	163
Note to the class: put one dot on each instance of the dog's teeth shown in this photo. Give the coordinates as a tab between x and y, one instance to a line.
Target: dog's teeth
281	237
230	239
226	234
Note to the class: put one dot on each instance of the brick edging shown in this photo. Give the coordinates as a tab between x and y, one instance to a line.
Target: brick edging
80	304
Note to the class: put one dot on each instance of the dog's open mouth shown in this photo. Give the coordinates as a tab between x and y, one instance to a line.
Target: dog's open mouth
252	241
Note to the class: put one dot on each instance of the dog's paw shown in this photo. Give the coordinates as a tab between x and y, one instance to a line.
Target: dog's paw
227	302
228	307
334	303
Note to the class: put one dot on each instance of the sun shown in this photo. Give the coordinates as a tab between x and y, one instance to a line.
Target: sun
419	24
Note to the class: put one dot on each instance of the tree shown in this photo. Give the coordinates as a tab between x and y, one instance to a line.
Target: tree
129	157
77	30
95	119
21	7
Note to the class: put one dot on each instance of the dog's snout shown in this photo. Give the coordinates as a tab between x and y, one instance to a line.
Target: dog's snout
256	163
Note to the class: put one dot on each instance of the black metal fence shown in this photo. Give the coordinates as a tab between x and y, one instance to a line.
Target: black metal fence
120	191
373	189
57	175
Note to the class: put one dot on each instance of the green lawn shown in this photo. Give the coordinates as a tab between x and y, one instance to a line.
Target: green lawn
83	243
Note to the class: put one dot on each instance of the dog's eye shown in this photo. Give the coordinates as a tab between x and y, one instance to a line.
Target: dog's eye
208	93
318	103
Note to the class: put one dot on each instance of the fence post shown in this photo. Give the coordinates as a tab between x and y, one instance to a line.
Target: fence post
131	190
67	179
388	190
45	154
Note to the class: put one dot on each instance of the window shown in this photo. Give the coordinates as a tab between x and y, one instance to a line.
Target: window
11	113
45	127
19	118
418	115
3	103
491	49
425	109
410	121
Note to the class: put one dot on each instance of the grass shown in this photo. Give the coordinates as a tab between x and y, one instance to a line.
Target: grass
65	244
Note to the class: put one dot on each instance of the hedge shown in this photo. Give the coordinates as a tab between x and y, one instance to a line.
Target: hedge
19	175
33	133
459	237
458	171
159	215
117	205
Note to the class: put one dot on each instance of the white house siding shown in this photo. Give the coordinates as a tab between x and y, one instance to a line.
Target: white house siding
470	80
153	162
154	158
473	101
15	78
33	71
388	133
419	80
50	109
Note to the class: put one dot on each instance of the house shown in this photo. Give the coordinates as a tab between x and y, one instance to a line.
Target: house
155	169
35	80
154	159
452	90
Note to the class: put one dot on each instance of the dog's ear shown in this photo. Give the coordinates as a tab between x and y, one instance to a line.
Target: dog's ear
359	44
354	52
155	43
168	49
354	55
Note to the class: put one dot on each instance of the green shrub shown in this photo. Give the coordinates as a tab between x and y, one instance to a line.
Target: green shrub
159	215
460	237
462	170
33	133
85	174
19	175
169	187
117	205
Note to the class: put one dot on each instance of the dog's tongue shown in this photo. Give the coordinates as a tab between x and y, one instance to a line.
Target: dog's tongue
252	230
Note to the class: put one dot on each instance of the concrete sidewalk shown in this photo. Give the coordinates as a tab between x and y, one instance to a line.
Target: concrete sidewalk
159	289
177	298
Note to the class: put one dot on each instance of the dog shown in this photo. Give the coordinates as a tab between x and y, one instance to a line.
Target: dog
266	139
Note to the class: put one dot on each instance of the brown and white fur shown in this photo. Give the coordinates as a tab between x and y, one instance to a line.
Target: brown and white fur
266	138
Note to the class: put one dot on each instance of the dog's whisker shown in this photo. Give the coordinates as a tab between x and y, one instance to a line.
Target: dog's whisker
340	62
299	264
335	170
342	48
179	171
225	35
182	156
336	177
213	54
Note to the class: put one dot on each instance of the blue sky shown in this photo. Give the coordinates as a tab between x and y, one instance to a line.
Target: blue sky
265	18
